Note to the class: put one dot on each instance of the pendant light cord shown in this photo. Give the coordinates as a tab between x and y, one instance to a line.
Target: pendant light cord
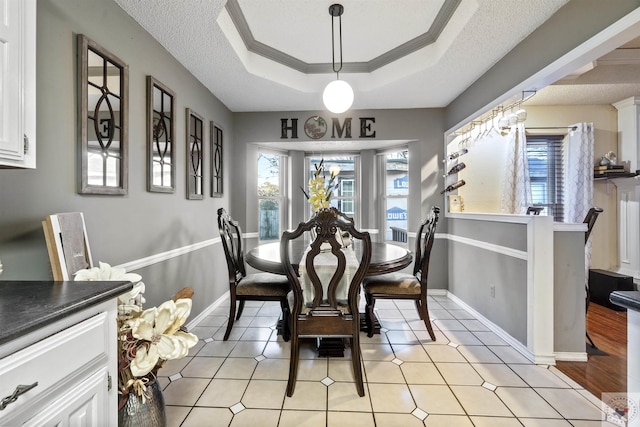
333	43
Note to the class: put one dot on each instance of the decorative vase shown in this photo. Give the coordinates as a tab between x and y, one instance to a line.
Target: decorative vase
604	161
151	413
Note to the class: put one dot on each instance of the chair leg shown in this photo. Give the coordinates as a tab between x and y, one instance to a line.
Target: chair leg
586	309
368	316
293	363
423	310
357	362
286	327
240	308
418	308
232	316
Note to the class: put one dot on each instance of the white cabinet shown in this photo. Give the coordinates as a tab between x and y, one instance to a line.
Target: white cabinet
75	369
18	83
628	189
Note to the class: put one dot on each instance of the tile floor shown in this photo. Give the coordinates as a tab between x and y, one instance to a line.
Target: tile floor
468	377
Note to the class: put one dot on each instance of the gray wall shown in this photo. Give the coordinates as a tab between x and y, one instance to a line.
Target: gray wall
569	292
120	228
570	26
423	127
473	270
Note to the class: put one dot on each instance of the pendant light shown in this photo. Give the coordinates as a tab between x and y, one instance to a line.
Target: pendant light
338	95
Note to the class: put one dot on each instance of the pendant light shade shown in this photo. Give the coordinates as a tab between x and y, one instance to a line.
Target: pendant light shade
338	95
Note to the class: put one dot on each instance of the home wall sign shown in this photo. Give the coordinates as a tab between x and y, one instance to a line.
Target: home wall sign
316	127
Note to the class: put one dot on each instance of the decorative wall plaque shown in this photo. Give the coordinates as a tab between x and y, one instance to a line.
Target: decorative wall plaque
195	140
216	135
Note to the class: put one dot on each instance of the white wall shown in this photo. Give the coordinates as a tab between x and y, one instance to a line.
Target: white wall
605	120
485	169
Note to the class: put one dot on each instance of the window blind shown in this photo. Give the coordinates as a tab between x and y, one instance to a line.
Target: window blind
544	153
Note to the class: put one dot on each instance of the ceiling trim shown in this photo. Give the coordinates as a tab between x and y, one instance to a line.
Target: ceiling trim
429	37
624	56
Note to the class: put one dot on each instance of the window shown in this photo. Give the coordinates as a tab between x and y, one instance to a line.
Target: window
270	195
344	193
396	167
544	153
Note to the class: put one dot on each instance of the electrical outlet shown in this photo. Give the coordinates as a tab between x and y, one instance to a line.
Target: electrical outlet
492	288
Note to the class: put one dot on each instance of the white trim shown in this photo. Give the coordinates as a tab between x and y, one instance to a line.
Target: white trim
164	256
478	216
252	235
371	230
540	293
515	253
517	345
567	356
565	226
200	317
413	235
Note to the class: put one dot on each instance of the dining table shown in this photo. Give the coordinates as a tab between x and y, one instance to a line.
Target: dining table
385	258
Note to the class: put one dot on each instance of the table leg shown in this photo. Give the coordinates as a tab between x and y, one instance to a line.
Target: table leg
330	347
363	324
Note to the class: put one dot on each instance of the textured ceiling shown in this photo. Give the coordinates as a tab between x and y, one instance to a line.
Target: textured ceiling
611	78
437	48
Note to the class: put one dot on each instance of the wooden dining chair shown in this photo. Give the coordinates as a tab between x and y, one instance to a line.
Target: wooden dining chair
534	210
400	285
331	279
248	287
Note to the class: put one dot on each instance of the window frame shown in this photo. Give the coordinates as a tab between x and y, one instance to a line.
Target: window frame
356	180
386	197
554	178
281	199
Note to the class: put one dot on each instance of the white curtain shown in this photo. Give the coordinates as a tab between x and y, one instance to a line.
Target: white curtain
516	191
578	179
578	172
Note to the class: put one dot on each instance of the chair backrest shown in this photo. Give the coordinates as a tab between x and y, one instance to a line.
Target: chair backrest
424	242
534	210
590	220
326	299
231	236
67	244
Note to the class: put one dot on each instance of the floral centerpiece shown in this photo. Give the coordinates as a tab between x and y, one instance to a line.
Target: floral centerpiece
320	192
146	338
319	197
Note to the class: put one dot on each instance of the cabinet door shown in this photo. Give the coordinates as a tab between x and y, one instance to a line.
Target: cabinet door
17	82
84	405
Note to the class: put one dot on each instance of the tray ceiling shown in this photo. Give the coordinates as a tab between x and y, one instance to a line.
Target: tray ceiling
275	55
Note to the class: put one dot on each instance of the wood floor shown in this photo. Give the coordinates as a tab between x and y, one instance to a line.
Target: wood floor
603	373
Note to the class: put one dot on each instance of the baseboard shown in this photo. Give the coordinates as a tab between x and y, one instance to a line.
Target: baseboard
517	345
571	356
217	303
440	292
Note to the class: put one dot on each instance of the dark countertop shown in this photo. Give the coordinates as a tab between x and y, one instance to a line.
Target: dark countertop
627	299
26	306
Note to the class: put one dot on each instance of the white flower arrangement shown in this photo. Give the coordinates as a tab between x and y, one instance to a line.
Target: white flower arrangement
146	339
